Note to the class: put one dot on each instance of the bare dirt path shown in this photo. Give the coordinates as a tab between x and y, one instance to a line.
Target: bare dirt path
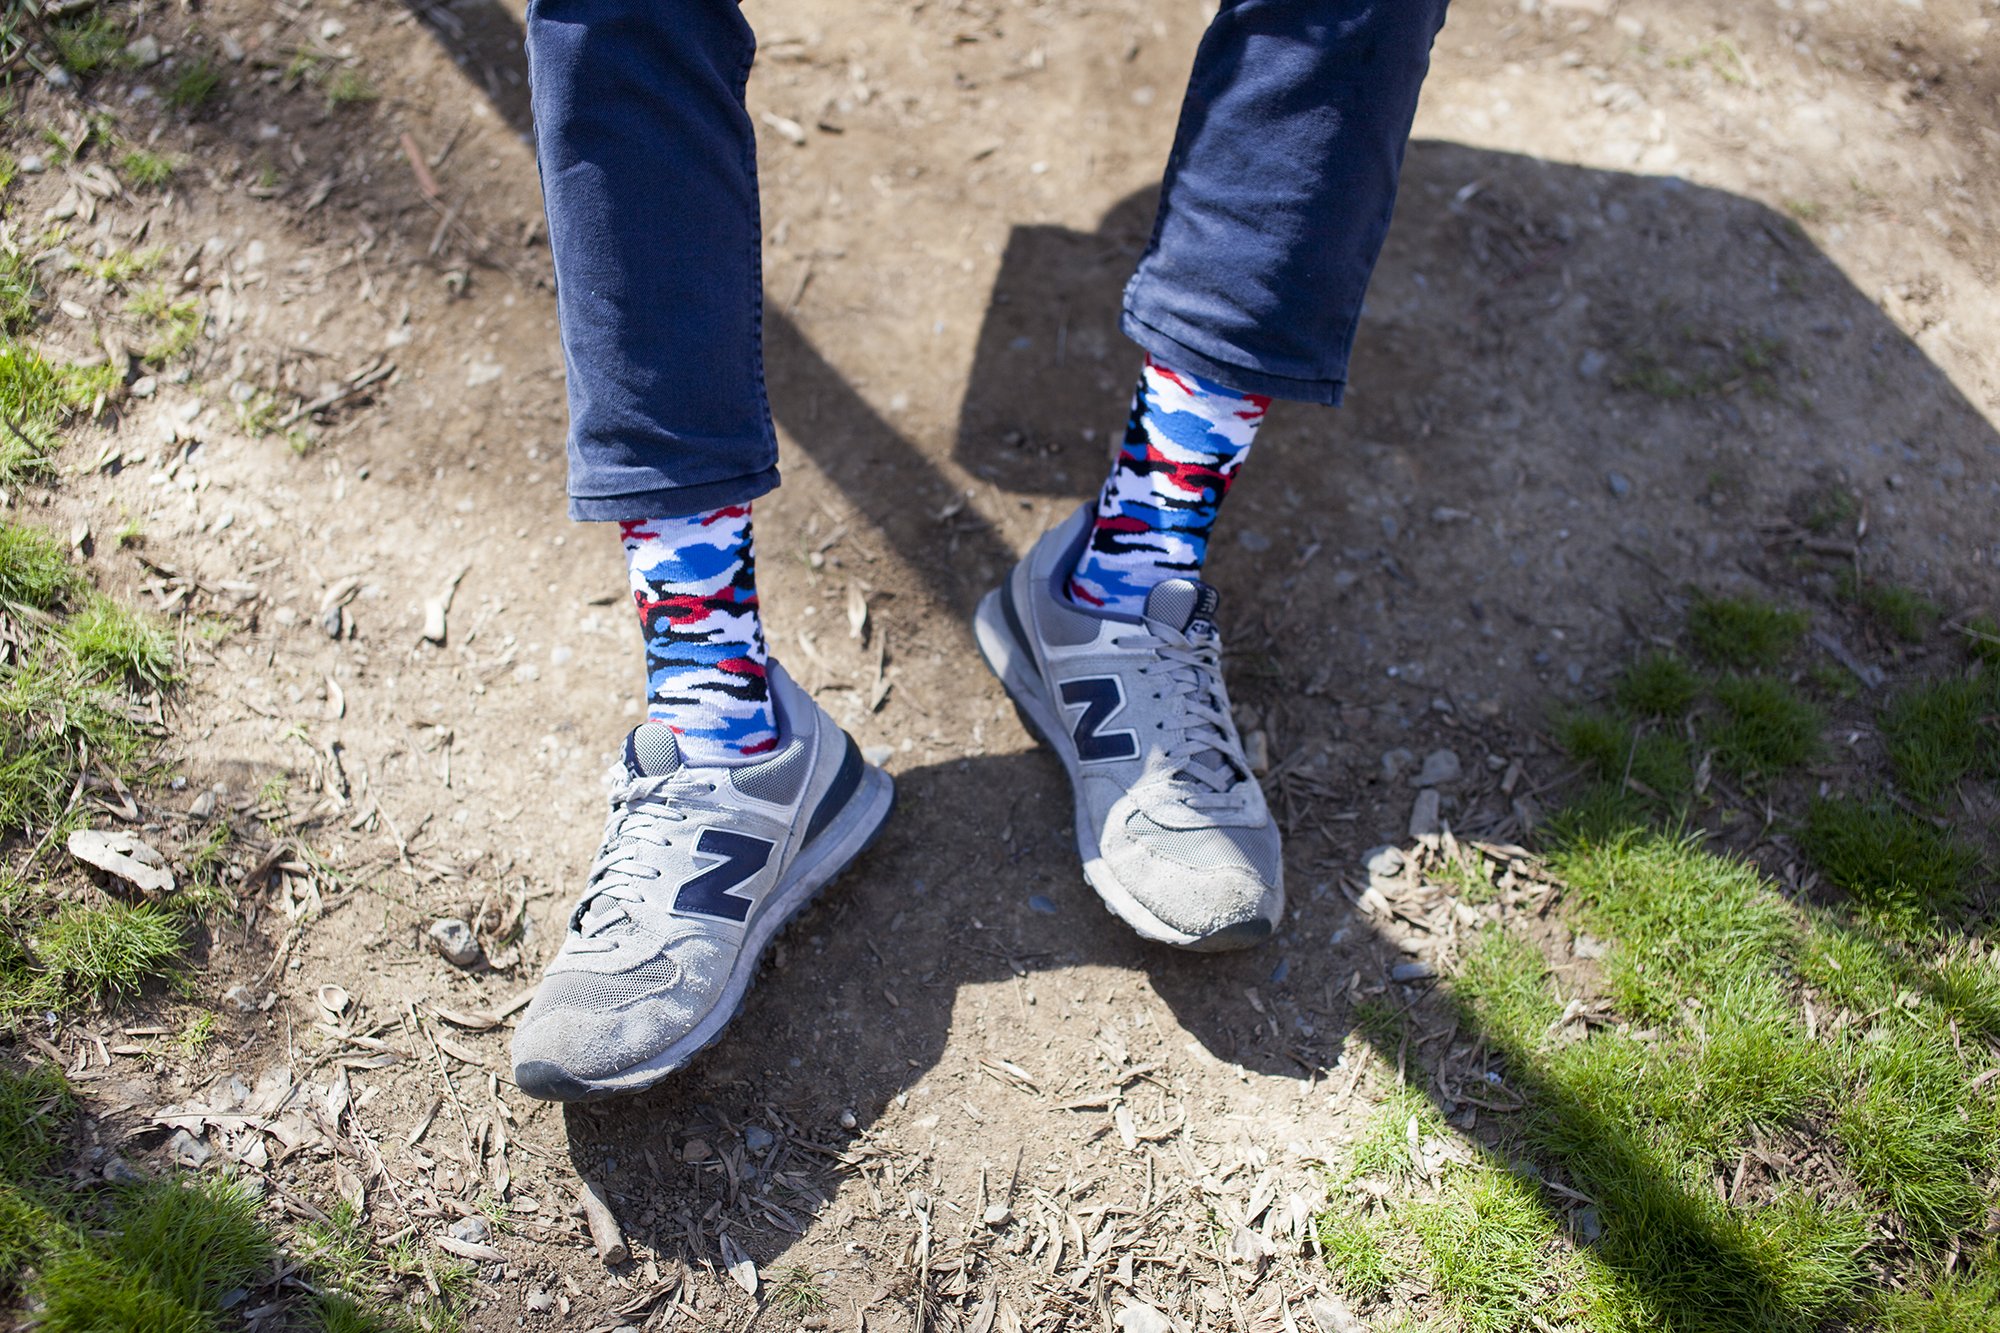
1663	278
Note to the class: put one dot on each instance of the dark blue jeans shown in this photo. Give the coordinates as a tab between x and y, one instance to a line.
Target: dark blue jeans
1272	212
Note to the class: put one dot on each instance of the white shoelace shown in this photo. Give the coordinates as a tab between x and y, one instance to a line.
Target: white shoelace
1191	669
643	813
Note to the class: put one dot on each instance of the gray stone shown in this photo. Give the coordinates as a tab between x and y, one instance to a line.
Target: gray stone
1395	762
1427	814
758	1139
1620	484
143	51
1412	972
473	1230
240	998
121	1172
1384	862
455	941
539	1301
187	1150
1441	769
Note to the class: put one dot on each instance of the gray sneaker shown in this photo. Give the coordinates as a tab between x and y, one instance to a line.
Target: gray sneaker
1172	827
700	868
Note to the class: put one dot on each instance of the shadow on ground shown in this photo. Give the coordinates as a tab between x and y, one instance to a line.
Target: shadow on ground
1478	319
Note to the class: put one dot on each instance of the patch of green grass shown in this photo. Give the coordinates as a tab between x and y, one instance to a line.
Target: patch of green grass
1833	509
350	87
1966	1300
19	291
1358	1253
146	170
796	1291
48	720
1833	682
1404	1115
104	951
1907	615
1491	1253
1687	922
1615	749
88	42
34	568
194	85
36	398
1900	870
36	1105
1504	980
196	1037
109	641
175	321
1743	632
1982	639
1658	685
122	266
1941	733
1765	729
198	1240
352	1272
1916	1138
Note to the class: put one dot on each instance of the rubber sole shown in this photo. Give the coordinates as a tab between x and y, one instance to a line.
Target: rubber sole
1013	663
843	839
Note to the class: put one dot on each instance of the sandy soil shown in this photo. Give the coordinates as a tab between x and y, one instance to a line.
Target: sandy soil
1662	275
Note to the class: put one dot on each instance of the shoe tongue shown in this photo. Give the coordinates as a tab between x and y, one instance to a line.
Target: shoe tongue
651	751
1186	606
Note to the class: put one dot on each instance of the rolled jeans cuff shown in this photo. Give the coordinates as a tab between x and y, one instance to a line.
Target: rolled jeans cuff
672	501
1183	350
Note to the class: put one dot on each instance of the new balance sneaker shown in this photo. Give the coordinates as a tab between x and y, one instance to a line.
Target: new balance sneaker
1171	824
700	868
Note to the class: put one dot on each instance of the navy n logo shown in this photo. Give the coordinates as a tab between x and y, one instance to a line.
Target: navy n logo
1101	698
711	893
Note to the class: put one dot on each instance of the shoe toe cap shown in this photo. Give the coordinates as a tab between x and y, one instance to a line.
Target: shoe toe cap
1221	885
585	1027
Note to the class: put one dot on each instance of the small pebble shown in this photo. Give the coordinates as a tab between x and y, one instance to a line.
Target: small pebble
455	941
240	998
1427	814
1620	484
473	1230
539	1301
121	1172
1038	903
758	1139
1441	769
847	1120
1394	762
1412	972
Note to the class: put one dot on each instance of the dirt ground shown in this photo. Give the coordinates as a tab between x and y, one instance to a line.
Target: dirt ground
1663	277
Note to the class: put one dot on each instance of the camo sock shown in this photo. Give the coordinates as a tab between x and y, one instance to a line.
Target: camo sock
695	580
1183	443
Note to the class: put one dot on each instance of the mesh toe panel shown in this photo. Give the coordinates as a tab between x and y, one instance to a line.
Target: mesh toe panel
1211	848
599	992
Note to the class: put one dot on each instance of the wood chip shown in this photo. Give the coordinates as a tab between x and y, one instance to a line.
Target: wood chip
604	1230
466	1249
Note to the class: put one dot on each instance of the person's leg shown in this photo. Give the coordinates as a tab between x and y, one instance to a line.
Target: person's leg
1275	203
649	172
1273	210
1279	191
739	798
649	175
